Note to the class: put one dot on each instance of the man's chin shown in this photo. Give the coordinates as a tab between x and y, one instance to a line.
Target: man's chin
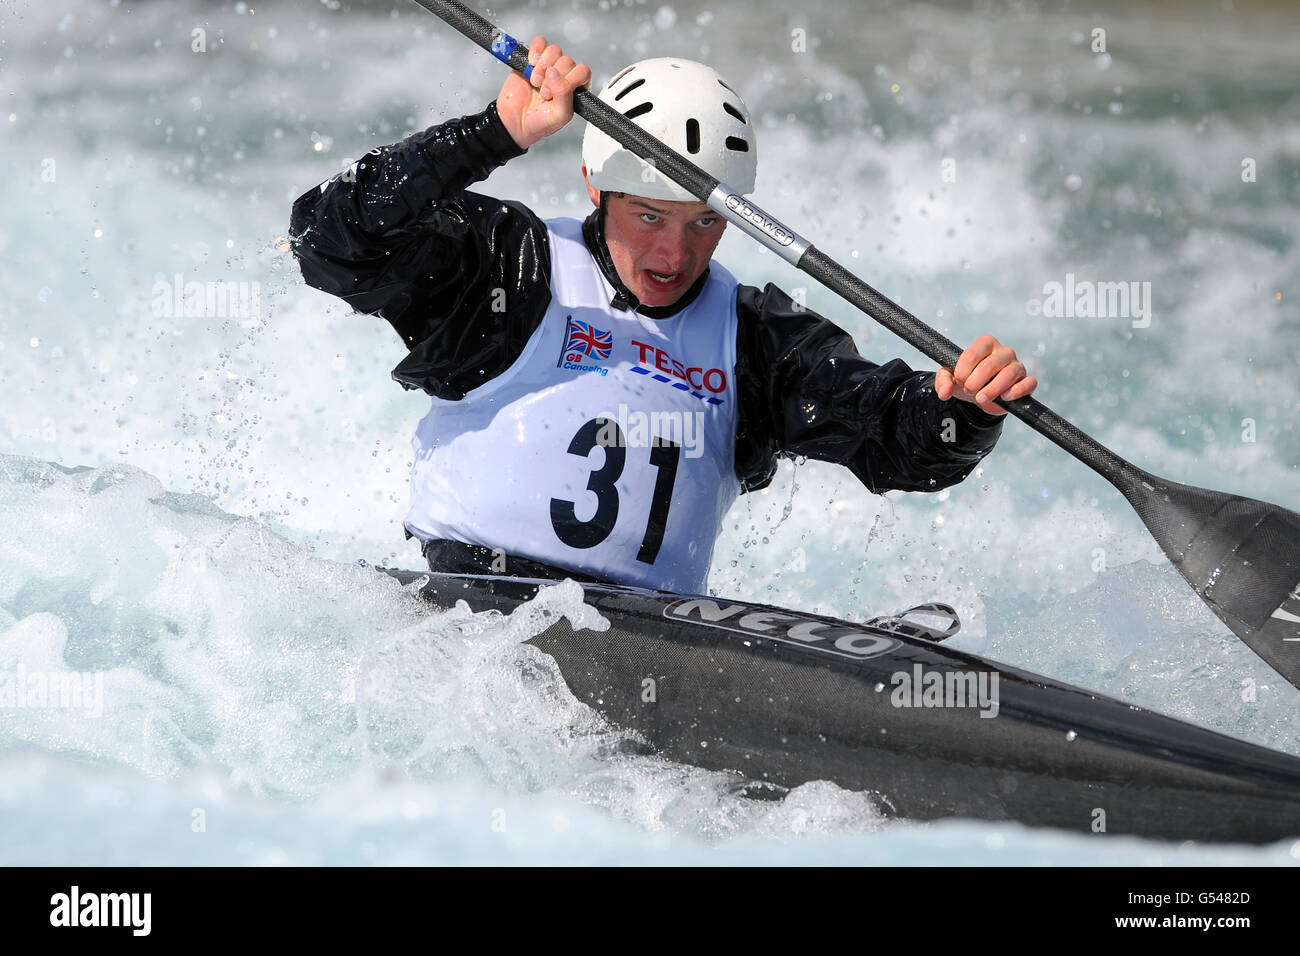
657	300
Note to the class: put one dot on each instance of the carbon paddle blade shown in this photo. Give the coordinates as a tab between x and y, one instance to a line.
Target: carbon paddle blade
1242	557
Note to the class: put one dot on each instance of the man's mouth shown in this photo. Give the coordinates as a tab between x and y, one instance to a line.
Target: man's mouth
665	279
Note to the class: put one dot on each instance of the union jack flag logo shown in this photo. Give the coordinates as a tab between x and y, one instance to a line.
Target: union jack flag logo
588	340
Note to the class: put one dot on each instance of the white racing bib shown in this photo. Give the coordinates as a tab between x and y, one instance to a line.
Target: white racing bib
607	447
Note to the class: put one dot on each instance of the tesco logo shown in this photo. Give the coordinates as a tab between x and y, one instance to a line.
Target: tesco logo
710	379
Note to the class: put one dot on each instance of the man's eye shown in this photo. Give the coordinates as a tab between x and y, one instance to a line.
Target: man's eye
707	221
649	217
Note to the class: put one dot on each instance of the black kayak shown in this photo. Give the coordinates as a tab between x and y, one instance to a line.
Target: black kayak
783	698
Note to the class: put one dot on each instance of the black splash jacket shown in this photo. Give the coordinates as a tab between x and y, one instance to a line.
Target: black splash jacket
464	280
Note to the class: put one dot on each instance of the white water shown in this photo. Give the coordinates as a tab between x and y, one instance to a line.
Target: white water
205	568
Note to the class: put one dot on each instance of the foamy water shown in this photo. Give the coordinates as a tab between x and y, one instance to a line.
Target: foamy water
202	572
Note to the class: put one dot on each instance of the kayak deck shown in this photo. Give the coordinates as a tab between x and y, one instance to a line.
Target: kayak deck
784	698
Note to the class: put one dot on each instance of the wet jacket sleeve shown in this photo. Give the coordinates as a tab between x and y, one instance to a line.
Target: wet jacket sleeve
459	276
805	390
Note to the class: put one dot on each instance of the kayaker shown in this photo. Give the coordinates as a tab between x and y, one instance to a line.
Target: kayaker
541	341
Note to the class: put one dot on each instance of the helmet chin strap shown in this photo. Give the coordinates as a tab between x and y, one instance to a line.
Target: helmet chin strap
624	298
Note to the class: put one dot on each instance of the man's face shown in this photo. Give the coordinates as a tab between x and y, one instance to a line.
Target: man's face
659	247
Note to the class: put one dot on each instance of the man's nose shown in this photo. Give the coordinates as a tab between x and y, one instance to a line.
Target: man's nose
672	248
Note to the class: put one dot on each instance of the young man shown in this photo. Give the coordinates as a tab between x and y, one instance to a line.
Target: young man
602	390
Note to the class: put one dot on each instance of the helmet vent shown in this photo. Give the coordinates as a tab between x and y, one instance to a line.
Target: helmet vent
641	109
622	73
629	88
733	111
725	86
738	144
692	135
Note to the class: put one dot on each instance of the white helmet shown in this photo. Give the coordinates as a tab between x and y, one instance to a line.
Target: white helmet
686	105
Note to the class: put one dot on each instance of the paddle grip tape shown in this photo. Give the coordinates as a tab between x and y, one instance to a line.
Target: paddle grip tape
503	45
763	226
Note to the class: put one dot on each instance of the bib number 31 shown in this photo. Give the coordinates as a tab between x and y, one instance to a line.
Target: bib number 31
664	456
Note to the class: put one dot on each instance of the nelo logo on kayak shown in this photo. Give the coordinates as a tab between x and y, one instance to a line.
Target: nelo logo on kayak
794	629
